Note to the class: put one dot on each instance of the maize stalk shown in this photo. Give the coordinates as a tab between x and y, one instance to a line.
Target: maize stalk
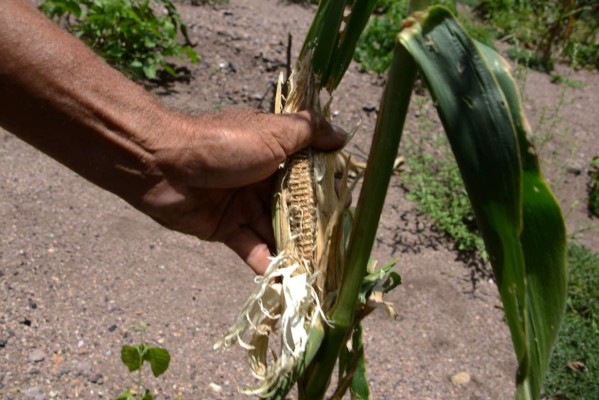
318	287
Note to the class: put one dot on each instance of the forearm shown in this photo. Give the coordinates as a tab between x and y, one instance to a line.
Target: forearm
57	95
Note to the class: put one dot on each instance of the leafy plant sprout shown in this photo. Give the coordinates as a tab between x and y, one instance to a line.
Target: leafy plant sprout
133	357
322	282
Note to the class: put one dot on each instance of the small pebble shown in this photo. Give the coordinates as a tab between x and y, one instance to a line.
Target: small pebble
97	379
36	355
83	367
112	328
215	387
460	379
574	170
368	107
34	393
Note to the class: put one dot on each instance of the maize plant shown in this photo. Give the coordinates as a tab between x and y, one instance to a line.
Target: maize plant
304	317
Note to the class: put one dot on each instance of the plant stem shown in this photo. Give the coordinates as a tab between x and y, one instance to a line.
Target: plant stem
394	107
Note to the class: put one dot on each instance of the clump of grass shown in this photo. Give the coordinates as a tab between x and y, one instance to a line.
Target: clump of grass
574	368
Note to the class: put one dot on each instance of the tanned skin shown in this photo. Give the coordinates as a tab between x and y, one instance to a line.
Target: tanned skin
209	176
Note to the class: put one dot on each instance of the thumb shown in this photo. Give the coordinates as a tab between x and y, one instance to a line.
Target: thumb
307	128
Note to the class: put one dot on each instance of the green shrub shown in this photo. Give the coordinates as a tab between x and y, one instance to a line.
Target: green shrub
574	368
377	42
549	29
134	36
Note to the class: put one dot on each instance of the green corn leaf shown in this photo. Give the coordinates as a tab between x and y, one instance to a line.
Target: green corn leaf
343	54
518	216
359	384
352	369
158	358
543	229
323	35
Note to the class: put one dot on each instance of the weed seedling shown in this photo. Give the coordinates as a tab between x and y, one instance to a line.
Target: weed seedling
134	357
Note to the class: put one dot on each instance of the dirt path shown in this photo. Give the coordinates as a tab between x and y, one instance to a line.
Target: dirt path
78	266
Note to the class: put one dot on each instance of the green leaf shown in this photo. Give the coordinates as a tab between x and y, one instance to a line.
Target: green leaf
148	395
352	368
518	216
359	384
344	51
323	36
169	70
150	70
159	359
149	43
126	395
543	238
191	54
131	357
383	279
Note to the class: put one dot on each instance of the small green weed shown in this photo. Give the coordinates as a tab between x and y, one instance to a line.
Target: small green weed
594	187
561	79
134	36
134	357
574	367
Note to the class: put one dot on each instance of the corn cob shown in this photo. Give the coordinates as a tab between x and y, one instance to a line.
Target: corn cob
303	207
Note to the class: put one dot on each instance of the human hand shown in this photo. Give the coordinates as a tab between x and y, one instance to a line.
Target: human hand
209	176
217	177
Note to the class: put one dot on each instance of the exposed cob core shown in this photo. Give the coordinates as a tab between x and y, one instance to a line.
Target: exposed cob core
301	205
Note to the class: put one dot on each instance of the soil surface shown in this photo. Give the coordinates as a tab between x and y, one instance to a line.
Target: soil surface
78	266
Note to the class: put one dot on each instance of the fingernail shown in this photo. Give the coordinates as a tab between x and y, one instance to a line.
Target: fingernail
339	131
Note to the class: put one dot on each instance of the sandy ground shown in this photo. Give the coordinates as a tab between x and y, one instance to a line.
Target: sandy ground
78	266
